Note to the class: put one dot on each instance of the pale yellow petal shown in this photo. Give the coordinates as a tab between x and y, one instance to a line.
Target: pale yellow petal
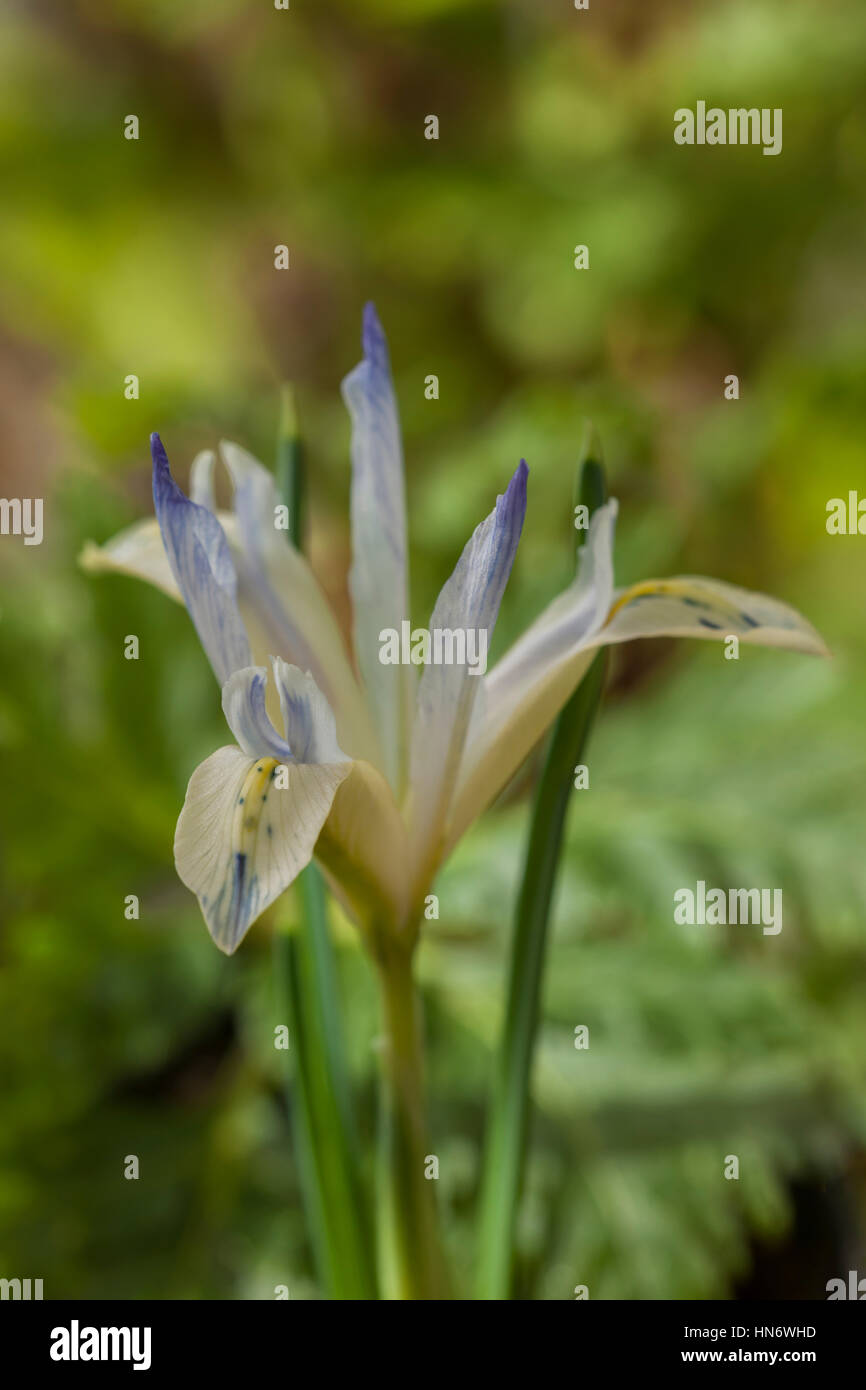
364	851
137	550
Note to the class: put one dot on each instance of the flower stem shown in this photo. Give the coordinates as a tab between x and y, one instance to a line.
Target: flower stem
410	1255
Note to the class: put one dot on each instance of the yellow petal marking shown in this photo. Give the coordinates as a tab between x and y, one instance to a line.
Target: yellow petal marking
251	804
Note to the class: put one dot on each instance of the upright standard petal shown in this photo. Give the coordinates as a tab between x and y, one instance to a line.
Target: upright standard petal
201	479
201	563
253	814
469	601
379	577
277	584
528	687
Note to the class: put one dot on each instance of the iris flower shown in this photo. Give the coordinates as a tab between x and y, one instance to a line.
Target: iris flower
375	769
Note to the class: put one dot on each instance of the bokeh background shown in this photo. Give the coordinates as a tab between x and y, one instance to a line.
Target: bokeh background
155	257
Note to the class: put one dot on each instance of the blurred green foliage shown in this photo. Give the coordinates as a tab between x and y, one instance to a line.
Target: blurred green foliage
155	257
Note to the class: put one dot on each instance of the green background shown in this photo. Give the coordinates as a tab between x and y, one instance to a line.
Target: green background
155	257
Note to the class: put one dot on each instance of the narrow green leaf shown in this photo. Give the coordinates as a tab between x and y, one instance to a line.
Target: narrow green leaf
325	1141
509	1113
290	467
329	1161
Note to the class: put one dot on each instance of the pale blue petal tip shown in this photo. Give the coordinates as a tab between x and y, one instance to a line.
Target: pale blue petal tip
373	339
163	483
202	565
514	500
157	452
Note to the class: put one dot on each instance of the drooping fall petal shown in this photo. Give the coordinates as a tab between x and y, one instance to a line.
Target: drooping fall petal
690	606
253	814
526	690
241	840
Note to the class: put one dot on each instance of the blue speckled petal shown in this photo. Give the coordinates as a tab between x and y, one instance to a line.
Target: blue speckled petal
247	828
691	606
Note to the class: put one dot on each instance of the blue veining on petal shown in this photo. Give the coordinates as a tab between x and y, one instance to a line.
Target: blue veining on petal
236	904
201	563
378	578
380	407
307	717
255	499
243	699
238	875
378	490
469	599
509	516
565	625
